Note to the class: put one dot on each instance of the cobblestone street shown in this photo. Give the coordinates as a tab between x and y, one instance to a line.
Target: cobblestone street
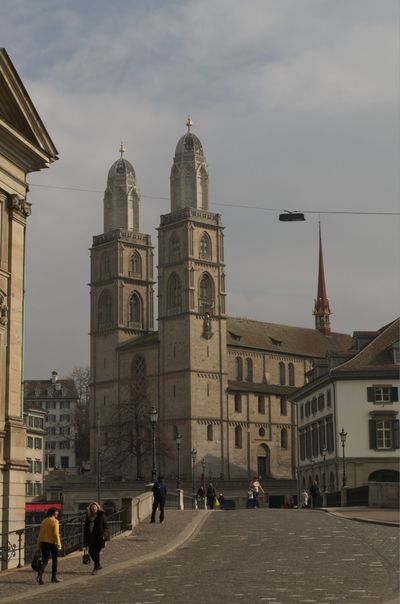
276	556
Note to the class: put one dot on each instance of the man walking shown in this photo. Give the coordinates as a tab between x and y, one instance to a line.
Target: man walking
159	498
255	485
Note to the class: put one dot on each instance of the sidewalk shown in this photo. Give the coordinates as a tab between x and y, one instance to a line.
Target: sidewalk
384	516
146	542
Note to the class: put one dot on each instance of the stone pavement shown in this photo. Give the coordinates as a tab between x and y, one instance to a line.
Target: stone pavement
274	556
374	515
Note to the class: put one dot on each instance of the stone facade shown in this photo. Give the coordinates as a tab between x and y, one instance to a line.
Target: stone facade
221	382
25	146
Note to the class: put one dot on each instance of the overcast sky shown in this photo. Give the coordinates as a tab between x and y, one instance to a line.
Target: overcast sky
296	104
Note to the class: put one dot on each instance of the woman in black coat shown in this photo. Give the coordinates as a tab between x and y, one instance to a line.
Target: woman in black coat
95	533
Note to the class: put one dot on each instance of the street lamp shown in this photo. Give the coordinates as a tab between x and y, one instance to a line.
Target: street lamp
153	421
289	216
178	440
323	451
343	436
193	454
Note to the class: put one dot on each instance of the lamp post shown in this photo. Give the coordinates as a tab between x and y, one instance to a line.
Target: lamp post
178	440
323	451
343	436
153	422
193	454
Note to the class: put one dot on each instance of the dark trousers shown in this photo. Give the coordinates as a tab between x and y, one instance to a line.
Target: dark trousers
157	504
49	549
210	502
256	503
94	553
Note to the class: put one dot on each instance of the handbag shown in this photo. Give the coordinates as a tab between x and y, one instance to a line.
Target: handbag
85	557
106	534
37	562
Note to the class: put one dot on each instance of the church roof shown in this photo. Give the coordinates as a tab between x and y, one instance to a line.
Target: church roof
189	142
121	167
286	339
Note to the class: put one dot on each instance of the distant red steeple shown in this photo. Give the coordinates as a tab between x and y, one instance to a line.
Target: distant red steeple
322	310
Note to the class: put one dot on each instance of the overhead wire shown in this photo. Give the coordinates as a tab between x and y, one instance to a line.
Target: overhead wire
230	205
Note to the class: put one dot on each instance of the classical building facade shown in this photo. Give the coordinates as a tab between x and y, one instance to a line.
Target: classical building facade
354	392
219	381
25	147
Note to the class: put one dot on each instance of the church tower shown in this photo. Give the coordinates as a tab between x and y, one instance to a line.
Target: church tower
192	316
322	311
121	290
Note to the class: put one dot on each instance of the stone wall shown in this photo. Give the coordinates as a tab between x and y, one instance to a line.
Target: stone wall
383	495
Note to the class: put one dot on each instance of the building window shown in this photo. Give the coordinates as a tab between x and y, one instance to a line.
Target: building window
135	264
238	437
329	437
302	445
29	488
174	293
249	370
328	399
205	246
138	370
105	264
238	403
284	438
322	436
261	405
174	248
105	309
210	432
301	411
308	444
38	466
65	444
384	433
308	409
283	404
314	440
205	293
291	374
321	402
51	404
282	373
314	405
382	394
38	489
239	369
135	310
38	443
30	463
65	418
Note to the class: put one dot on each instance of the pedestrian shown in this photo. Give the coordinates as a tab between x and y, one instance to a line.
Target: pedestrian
201	497
95	533
159	498
304	499
314	494
250	498
211	494
255	484
221	500
49	543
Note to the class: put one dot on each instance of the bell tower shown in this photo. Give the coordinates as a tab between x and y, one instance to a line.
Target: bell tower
192	315
322	311
121	292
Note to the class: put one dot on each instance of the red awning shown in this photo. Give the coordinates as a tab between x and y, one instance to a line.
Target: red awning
41	507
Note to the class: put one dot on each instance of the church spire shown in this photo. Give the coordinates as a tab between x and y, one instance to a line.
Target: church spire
322	310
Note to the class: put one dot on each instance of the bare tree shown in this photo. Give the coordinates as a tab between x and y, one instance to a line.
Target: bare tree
81	376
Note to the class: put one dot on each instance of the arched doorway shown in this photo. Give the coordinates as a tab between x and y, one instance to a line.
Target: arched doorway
384	476
263	461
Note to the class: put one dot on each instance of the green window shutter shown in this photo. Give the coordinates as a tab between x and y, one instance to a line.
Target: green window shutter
371	394
394	395
396	439
372	434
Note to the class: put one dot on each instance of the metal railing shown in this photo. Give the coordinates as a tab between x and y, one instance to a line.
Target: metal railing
21	545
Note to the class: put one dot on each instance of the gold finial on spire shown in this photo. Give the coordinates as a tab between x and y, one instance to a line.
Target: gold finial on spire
189	123
122	149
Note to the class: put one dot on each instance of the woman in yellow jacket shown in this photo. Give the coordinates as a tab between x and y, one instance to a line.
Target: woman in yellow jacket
49	542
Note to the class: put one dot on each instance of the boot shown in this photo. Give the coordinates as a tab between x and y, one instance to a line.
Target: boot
55	579
39	577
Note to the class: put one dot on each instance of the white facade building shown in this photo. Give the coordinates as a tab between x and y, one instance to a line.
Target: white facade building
356	393
34	420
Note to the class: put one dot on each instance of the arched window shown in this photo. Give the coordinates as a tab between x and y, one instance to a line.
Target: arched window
283	405
282	373
135	309
239	369
105	263
249	370
238	437
105	309
205	293
283	438
174	248
205	246
291	374
139	370
135	264
174	293
238	403
210	432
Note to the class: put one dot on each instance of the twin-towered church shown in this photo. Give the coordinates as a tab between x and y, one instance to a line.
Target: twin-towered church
221	382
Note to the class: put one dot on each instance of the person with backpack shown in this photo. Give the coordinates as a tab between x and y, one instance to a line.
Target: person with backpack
159	498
